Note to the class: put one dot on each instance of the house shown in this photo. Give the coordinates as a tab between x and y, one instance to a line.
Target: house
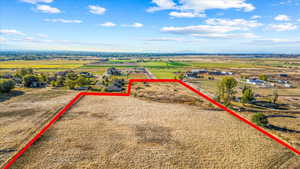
63	73
117	86
195	73
114	71
255	82
199	71
83	88
119	82
7	76
217	73
113	88
283	75
18	80
86	74
227	73
287	85
104	60
36	84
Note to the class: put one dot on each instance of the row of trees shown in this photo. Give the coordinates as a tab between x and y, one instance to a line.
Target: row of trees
226	91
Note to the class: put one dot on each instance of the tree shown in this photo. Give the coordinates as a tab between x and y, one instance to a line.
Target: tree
6	85
53	83
72	76
29	79
275	97
43	77
24	71
226	89
70	83
181	76
248	95
263	77
260	119
82	81
60	81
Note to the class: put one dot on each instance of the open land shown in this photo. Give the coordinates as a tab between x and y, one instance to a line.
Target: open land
130	132
179	123
23	114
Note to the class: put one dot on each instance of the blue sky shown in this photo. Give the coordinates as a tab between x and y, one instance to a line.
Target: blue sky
151	25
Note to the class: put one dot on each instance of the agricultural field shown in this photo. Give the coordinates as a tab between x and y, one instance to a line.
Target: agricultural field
165	73
42	64
143	132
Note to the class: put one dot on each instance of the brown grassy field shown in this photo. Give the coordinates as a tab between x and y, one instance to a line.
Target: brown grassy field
23	114
147	132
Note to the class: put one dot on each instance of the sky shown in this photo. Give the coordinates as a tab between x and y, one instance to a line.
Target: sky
205	26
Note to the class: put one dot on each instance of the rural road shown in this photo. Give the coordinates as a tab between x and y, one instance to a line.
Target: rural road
149	74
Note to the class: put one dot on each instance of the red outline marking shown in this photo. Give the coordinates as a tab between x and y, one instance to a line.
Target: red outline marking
78	96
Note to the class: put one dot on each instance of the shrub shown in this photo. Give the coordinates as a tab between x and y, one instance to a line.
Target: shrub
260	119
6	85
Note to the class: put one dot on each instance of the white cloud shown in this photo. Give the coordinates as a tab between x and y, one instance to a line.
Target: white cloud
216	4
98	10
283	27
282	17
298	20
63	20
199	29
2	39
134	25
217	29
37	1
137	25
226	35
185	14
242	23
288	2
108	24
161	5
41	35
11	32
275	41
255	17
200	6
47	9
164	39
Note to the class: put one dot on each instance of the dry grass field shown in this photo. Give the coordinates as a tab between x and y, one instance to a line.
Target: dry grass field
22	115
146	132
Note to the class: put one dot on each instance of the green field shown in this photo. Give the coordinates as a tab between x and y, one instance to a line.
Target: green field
165	73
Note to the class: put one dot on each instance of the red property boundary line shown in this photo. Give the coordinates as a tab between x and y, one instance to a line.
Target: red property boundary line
78	96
